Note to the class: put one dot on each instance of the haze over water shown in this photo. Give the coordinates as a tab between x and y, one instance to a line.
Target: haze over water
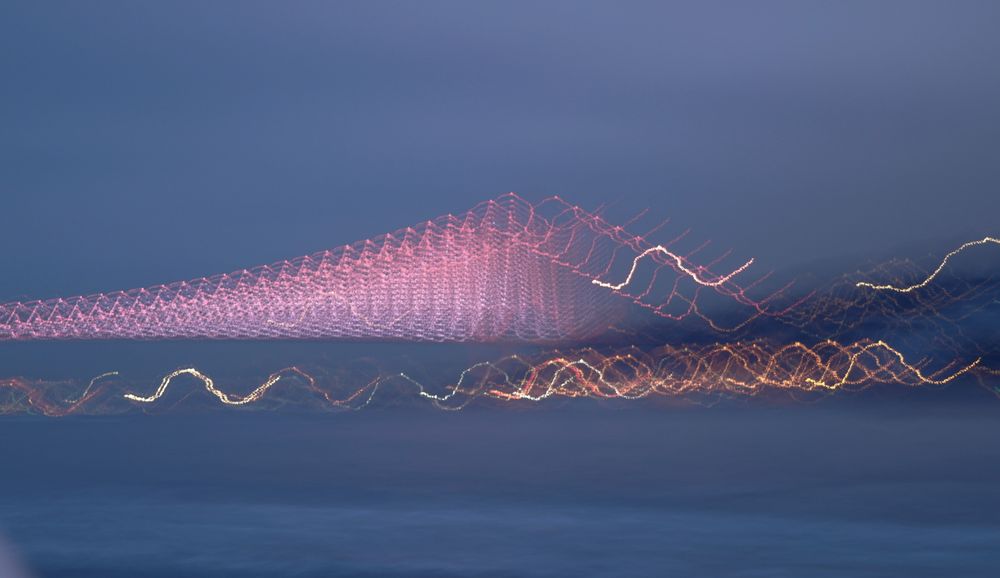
735	491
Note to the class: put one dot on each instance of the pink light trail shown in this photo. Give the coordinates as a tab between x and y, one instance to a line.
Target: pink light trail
506	270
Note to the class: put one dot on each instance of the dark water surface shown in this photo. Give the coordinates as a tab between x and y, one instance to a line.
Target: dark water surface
889	490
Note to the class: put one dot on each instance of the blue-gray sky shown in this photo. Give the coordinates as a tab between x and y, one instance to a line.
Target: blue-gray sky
144	142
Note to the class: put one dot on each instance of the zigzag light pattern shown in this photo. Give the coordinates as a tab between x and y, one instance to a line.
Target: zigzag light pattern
507	270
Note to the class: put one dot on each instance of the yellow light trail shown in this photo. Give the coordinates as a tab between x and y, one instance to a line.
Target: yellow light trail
694	273
932	276
224	397
746	369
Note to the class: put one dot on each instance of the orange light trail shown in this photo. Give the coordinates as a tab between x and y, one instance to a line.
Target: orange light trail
746	369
